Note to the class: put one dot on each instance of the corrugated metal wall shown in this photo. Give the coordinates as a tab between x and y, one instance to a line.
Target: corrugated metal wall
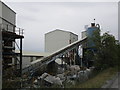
8	14
90	32
0	12
56	40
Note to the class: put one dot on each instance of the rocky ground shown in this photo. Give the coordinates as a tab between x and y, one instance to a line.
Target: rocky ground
63	78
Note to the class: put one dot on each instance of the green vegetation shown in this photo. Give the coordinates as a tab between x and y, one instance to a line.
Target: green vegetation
106	59
98	80
107	51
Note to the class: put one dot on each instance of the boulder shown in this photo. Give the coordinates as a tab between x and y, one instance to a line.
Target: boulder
49	79
60	70
82	76
61	76
74	69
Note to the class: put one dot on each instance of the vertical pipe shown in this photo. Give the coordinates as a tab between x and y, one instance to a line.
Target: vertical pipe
74	55
70	58
82	55
81	61
20	56
62	60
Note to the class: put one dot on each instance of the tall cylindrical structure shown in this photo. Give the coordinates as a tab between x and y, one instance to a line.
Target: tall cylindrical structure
90	32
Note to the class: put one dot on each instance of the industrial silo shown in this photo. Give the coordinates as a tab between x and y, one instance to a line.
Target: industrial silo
90	31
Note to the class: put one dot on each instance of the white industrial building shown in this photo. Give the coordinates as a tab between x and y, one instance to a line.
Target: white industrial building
7	17
58	39
8	38
7	20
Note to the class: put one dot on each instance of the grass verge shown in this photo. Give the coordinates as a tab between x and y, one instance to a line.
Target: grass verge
98	80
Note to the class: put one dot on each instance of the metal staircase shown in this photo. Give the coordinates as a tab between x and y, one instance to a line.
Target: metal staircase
9	35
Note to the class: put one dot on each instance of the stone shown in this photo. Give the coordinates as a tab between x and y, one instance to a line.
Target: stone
74	69
61	76
50	79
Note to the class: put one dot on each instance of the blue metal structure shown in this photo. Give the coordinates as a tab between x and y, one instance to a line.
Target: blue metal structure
90	32
90	45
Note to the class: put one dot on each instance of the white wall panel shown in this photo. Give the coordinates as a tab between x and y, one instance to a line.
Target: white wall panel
58	39
8	14
0	12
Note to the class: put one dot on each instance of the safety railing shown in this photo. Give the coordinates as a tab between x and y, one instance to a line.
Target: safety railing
12	28
19	31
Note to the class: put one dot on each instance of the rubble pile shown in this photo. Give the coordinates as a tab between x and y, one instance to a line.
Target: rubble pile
74	69
73	75
47	80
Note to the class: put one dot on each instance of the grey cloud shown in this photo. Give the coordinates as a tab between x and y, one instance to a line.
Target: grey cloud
39	18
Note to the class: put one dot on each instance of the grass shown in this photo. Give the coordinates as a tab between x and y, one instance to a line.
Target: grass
98	80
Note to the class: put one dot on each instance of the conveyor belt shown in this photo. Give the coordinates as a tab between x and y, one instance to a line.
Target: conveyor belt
39	64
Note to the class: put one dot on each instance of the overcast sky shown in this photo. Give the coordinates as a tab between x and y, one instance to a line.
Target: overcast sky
38	18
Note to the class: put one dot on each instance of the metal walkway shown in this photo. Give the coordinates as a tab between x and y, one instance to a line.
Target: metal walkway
42	63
